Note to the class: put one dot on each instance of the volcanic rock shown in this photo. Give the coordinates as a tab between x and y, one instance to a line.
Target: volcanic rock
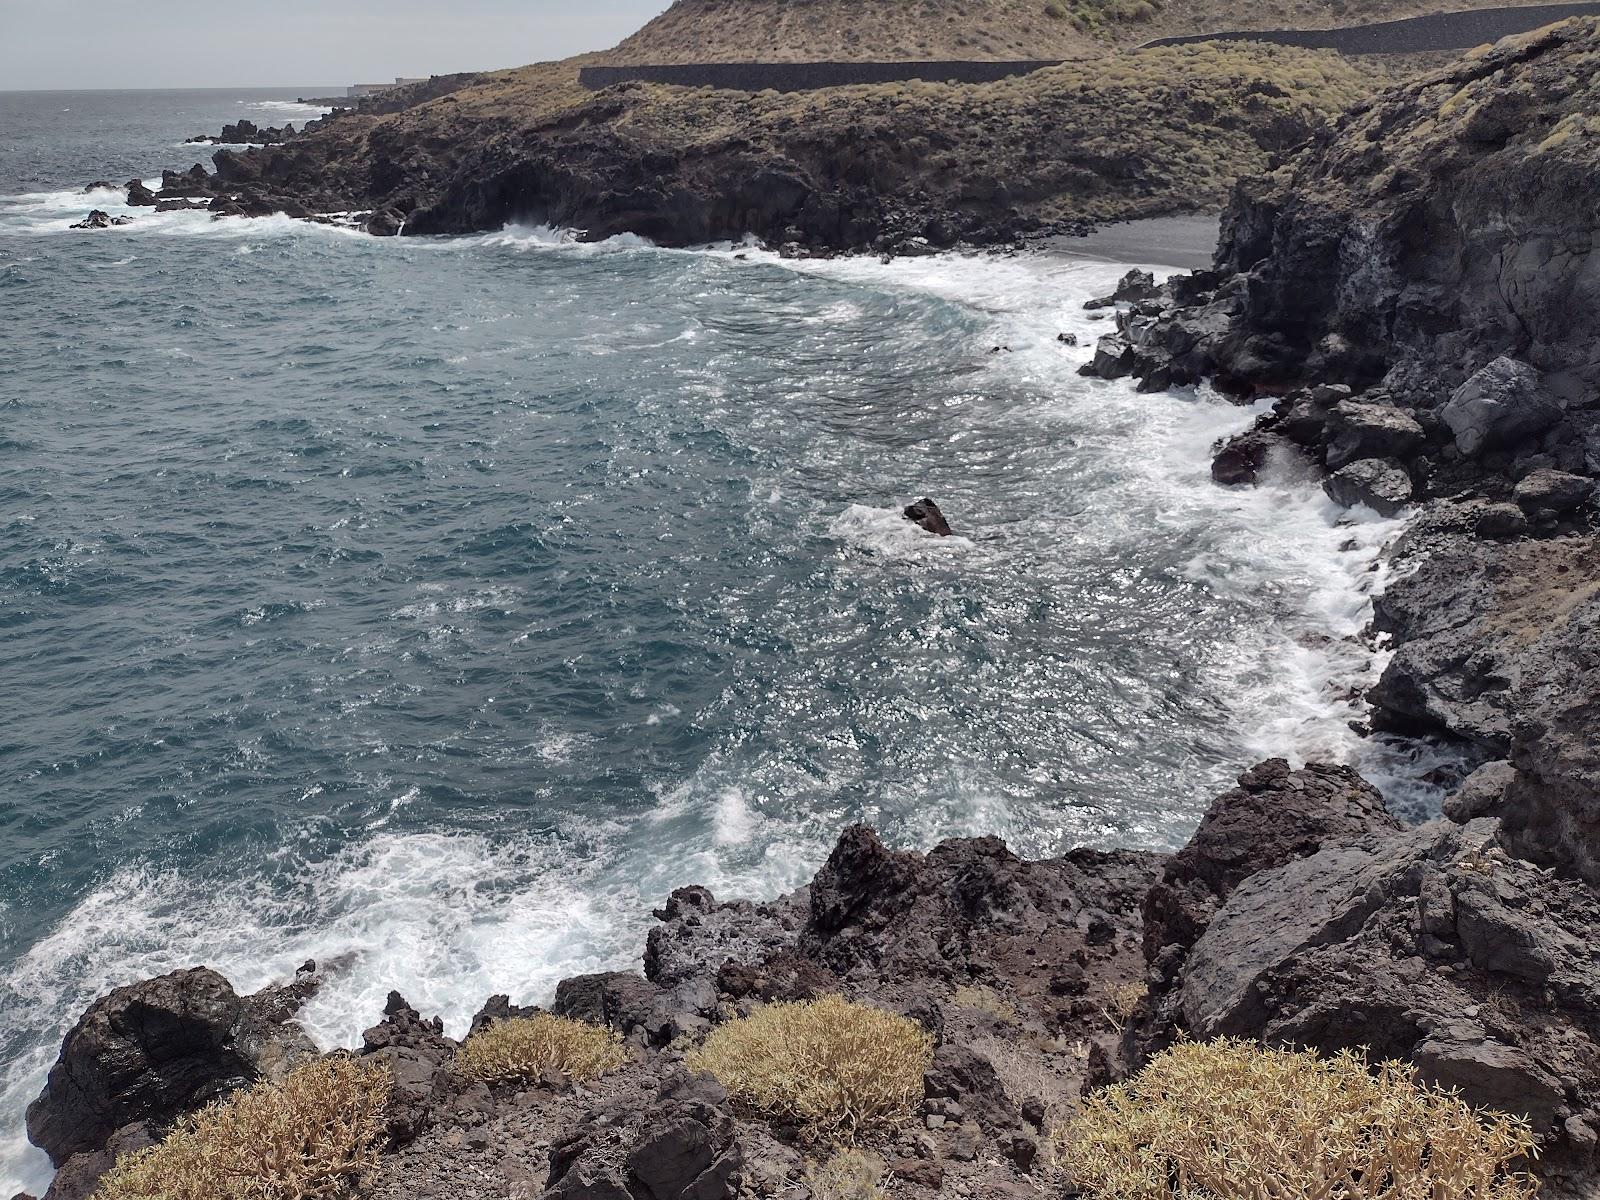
153	1051
1382	484
926	513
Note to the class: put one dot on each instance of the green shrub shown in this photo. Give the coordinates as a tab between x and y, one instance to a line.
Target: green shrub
313	1134
1056	11
833	1067
1230	1120
527	1047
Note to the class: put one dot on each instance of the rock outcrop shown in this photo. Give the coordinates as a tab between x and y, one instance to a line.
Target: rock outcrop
837	169
148	1053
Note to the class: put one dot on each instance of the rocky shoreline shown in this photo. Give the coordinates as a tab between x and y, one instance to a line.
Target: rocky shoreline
1417	287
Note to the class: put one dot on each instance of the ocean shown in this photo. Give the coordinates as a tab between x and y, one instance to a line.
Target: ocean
432	607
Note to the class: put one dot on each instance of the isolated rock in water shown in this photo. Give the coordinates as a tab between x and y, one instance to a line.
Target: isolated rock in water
926	514
1241	457
153	1051
1382	484
99	185
1501	404
95	220
140	196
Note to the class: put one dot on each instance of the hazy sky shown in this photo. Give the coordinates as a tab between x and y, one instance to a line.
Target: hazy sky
292	43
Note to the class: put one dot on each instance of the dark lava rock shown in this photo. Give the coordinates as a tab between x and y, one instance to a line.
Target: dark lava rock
620	1000
1274	816
683	1146
926	514
1370	431
1382	484
140	196
1424	947
418	1056
385	223
1241	458
1502	404
153	1051
1546	495
962	1074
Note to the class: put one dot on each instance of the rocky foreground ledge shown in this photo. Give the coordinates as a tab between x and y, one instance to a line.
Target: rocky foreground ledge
1301	913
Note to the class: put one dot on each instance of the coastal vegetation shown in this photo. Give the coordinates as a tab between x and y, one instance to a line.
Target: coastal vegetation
833	1067
1233	1120
527	1048
314	1133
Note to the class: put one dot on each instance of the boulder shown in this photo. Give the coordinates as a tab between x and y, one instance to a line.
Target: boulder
1113	358
153	1051
926	514
1382	484
683	1145
1482	793
1370	431
95	220
620	1000
962	1074
1546	495
140	196
1502	404
1241	458
418	1056
1274	816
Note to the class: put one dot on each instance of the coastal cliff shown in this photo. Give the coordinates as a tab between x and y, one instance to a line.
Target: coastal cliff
833	169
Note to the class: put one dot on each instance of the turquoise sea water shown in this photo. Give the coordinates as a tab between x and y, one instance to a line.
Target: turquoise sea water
433	607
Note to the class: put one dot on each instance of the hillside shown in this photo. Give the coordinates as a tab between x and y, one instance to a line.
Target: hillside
867	30
844	168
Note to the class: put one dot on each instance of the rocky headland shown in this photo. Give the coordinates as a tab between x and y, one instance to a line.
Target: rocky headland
860	168
1417	289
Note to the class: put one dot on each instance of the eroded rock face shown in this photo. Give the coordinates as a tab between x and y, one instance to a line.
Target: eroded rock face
1274	816
150	1052
1436	947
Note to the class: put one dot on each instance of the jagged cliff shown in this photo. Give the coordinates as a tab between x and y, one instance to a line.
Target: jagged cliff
838	168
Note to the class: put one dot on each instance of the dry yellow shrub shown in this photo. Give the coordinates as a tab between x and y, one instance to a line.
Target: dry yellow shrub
1231	1120
312	1135
527	1047
829	1065
847	1175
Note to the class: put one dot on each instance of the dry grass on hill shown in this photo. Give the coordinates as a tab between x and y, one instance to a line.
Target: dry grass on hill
866	30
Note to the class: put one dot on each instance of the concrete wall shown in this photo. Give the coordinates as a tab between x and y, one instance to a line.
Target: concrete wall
1441	31
799	77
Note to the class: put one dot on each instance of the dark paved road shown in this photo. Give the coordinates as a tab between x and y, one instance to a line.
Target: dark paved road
1414	35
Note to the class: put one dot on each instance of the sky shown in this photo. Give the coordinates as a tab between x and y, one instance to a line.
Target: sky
292	43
